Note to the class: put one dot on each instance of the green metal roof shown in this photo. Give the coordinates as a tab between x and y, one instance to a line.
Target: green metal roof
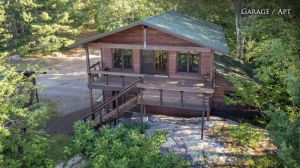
195	30
226	65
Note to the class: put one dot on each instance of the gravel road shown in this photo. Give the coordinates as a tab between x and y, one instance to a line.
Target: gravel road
65	83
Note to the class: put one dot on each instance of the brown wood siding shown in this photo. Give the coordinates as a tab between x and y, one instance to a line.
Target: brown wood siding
172	63
206	63
135	35
222	85
106	57
132	35
156	37
136	60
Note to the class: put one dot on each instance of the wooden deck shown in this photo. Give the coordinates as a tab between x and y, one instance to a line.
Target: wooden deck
114	82
191	101
159	90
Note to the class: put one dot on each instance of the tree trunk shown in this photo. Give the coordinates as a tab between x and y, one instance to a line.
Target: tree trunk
238	25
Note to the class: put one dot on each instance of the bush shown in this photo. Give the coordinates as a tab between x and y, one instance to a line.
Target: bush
122	146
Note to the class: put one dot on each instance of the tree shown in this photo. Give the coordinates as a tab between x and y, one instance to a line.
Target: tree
273	48
20	148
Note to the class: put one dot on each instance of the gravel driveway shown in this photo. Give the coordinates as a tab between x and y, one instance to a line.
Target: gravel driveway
65	83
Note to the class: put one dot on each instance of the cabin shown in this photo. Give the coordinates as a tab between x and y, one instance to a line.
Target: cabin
162	64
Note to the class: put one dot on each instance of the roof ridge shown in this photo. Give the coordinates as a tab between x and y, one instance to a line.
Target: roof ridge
200	19
150	17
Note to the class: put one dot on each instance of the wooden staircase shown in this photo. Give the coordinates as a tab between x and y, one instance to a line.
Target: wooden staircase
102	114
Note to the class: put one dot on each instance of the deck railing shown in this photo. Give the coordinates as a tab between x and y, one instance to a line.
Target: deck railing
96	66
120	74
206	95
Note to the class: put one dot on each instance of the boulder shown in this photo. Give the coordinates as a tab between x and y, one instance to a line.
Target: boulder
15	58
57	54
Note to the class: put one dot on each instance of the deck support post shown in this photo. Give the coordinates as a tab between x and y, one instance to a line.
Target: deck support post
106	79
160	96
181	101
117	106
123	80
208	109
203	111
100	116
86	48
142	111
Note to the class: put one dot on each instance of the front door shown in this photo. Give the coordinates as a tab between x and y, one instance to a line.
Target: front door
154	62
148	62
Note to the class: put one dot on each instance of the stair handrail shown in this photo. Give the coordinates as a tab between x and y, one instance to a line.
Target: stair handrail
115	97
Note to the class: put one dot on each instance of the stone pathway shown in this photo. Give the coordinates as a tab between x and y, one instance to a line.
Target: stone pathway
184	138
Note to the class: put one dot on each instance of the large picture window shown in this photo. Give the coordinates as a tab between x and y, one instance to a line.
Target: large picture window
188	62
122	58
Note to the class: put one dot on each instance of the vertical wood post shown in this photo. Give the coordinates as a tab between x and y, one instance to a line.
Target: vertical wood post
142	111
89	75
100	116
117	107
145	37
181	101
203	111
123	80
208	109
160	97
106	79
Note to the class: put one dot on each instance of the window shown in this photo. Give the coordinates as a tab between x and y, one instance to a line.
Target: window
188	62
122	58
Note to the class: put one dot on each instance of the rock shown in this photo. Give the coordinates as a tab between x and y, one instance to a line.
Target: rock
57	54
15	58
75	162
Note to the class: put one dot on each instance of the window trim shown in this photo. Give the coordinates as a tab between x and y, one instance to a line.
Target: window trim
122	59
188	63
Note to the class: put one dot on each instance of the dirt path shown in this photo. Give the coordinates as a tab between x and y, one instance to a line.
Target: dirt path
65	83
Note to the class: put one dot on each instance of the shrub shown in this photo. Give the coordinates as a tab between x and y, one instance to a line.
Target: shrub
121	146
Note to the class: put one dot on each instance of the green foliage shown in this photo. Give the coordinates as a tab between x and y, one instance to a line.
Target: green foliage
245	134
57	142
260	162
28	149
273	46
122	146
19	148
286	134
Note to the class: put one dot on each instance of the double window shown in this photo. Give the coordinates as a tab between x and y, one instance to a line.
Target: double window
188	62
122	58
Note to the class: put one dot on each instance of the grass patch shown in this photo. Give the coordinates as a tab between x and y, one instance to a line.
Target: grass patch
57	144
245	134
259	162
